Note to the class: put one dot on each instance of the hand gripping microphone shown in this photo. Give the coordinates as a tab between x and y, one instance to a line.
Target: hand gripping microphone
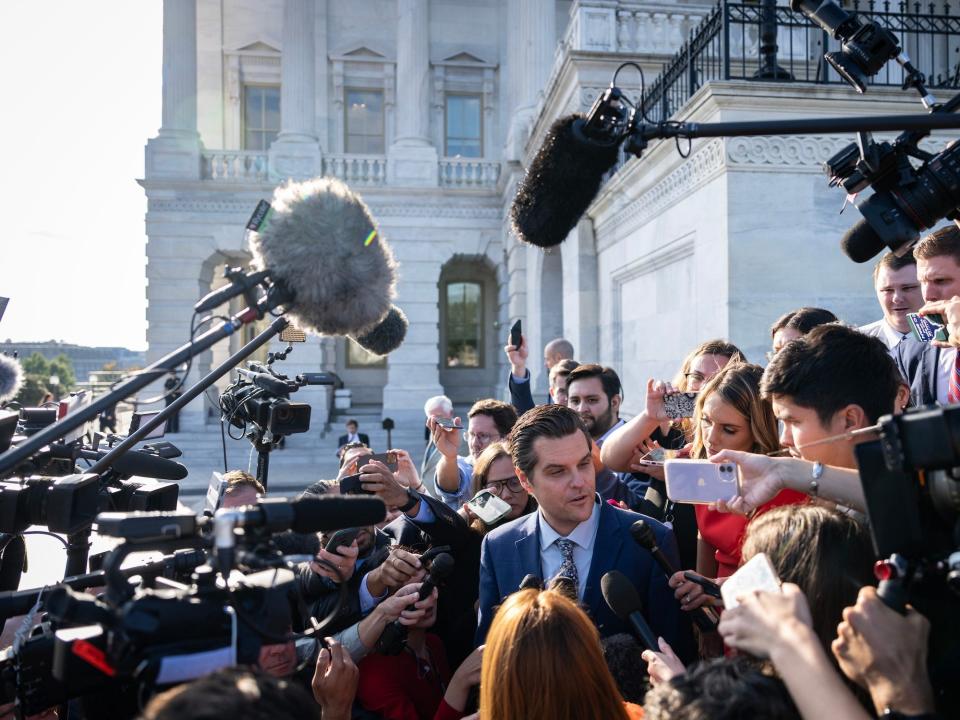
394	636
621	597
323	249
706	618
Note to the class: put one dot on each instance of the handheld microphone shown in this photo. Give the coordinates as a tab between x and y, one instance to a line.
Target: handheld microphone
706	618
134	462
394	635
621	597
561	182
11	378
324	251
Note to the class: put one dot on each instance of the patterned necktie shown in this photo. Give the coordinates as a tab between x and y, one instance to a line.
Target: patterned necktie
953	384
568	568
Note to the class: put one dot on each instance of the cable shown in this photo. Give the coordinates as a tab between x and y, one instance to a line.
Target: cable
45	532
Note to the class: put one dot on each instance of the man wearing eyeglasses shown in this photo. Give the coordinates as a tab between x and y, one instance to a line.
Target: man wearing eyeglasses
487	422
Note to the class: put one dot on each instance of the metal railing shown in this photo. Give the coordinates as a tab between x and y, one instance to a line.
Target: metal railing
727	46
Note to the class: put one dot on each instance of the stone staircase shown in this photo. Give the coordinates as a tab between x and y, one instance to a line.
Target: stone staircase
304	459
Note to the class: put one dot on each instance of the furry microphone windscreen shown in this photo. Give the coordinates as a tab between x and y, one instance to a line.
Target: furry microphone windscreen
386	336
560	184
11	378
321	243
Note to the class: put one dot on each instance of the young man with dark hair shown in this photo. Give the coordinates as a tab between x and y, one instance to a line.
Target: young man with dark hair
829	382
487	422
933	372
898	292
573	535
594	392
353	436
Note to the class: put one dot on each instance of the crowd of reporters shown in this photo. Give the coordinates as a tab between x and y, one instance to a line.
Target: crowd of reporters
520	627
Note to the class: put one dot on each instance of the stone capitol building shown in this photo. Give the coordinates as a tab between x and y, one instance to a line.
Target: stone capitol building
432	109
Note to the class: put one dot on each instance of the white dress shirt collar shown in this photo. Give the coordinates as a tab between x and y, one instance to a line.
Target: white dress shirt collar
583	534
890	336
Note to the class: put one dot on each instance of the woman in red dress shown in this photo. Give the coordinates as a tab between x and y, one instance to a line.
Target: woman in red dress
730	415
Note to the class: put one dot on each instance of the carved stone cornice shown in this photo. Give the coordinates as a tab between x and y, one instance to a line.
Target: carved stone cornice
798	153
379	210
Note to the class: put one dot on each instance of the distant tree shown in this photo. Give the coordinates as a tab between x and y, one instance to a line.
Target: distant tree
37	371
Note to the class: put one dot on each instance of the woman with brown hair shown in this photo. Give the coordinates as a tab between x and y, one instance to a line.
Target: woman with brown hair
494	471
542	661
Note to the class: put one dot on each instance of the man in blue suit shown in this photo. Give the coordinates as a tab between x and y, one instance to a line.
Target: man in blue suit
573	536
934	372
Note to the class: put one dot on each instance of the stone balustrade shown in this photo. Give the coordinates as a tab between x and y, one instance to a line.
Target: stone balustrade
631	27
357	169
235	166
468	173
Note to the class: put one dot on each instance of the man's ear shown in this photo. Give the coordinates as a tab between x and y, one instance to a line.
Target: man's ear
854	417
615	402
525	481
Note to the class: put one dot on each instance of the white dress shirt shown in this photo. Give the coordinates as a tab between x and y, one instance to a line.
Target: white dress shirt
582	537
945	369
889	336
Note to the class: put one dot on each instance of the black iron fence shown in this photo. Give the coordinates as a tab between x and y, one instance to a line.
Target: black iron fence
728	45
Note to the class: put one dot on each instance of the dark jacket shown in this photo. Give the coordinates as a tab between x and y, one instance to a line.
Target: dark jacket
919	363
520	395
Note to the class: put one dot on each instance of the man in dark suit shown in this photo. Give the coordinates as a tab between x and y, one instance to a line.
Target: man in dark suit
573	536
352	436
557	358
932	371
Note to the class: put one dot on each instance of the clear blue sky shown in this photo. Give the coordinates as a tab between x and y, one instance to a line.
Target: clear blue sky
82	85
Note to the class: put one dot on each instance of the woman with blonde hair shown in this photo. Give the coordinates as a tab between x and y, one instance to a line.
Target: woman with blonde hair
542	661
730	414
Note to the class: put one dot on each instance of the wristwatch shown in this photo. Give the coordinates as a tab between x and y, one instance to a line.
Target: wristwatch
412	499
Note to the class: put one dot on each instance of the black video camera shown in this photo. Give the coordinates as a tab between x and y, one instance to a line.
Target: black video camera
261	397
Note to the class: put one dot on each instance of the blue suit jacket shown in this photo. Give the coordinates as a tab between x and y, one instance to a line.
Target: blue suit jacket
512	551
919	364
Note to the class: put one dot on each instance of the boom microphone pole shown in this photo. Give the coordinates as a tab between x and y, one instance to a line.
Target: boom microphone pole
10	459
275	328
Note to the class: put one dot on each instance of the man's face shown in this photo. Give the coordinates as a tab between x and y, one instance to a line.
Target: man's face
563	481
801	426
899	293
481	431
364	540
558	391
279	659
351	428
784	335
243	495
587	398
550	358
939	277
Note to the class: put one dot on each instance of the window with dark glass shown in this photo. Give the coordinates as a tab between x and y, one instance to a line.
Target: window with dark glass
464	130
261	116
364	122
359	357
464	325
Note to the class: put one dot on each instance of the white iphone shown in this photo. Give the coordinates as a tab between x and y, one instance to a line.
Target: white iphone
755	574
488	507
700	482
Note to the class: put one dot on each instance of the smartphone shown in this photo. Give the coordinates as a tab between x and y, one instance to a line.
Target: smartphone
679	404
700	482
925	329
388	458
350	485
709	587
488	507
446	423
341	538
658	456
516	335
755	574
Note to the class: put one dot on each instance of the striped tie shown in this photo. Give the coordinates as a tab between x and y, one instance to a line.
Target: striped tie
953	385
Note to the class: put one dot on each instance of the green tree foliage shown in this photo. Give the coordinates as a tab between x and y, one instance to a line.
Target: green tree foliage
37	371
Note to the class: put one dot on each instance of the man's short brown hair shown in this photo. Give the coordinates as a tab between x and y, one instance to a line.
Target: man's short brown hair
504	415
562	369
893	262
550	421
237	479
945	241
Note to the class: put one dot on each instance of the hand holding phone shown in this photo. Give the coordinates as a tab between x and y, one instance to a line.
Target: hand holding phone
678	405
755	574
388	458
927	328
351	485
516	335
701	482
488	507
341	538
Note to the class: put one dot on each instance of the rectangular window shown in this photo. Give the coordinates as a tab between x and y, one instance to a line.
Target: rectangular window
261	116
464	325
364	122
464	126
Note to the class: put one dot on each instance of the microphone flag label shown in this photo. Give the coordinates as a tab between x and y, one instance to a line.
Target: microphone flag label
260	215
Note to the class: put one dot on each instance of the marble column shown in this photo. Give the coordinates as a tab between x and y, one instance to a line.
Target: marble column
296	152
531	44
412	160
175	152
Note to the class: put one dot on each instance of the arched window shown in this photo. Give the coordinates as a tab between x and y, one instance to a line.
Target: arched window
464	325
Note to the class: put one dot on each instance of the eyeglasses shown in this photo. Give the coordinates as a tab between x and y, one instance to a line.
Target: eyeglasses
512	484
482	437
695	377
